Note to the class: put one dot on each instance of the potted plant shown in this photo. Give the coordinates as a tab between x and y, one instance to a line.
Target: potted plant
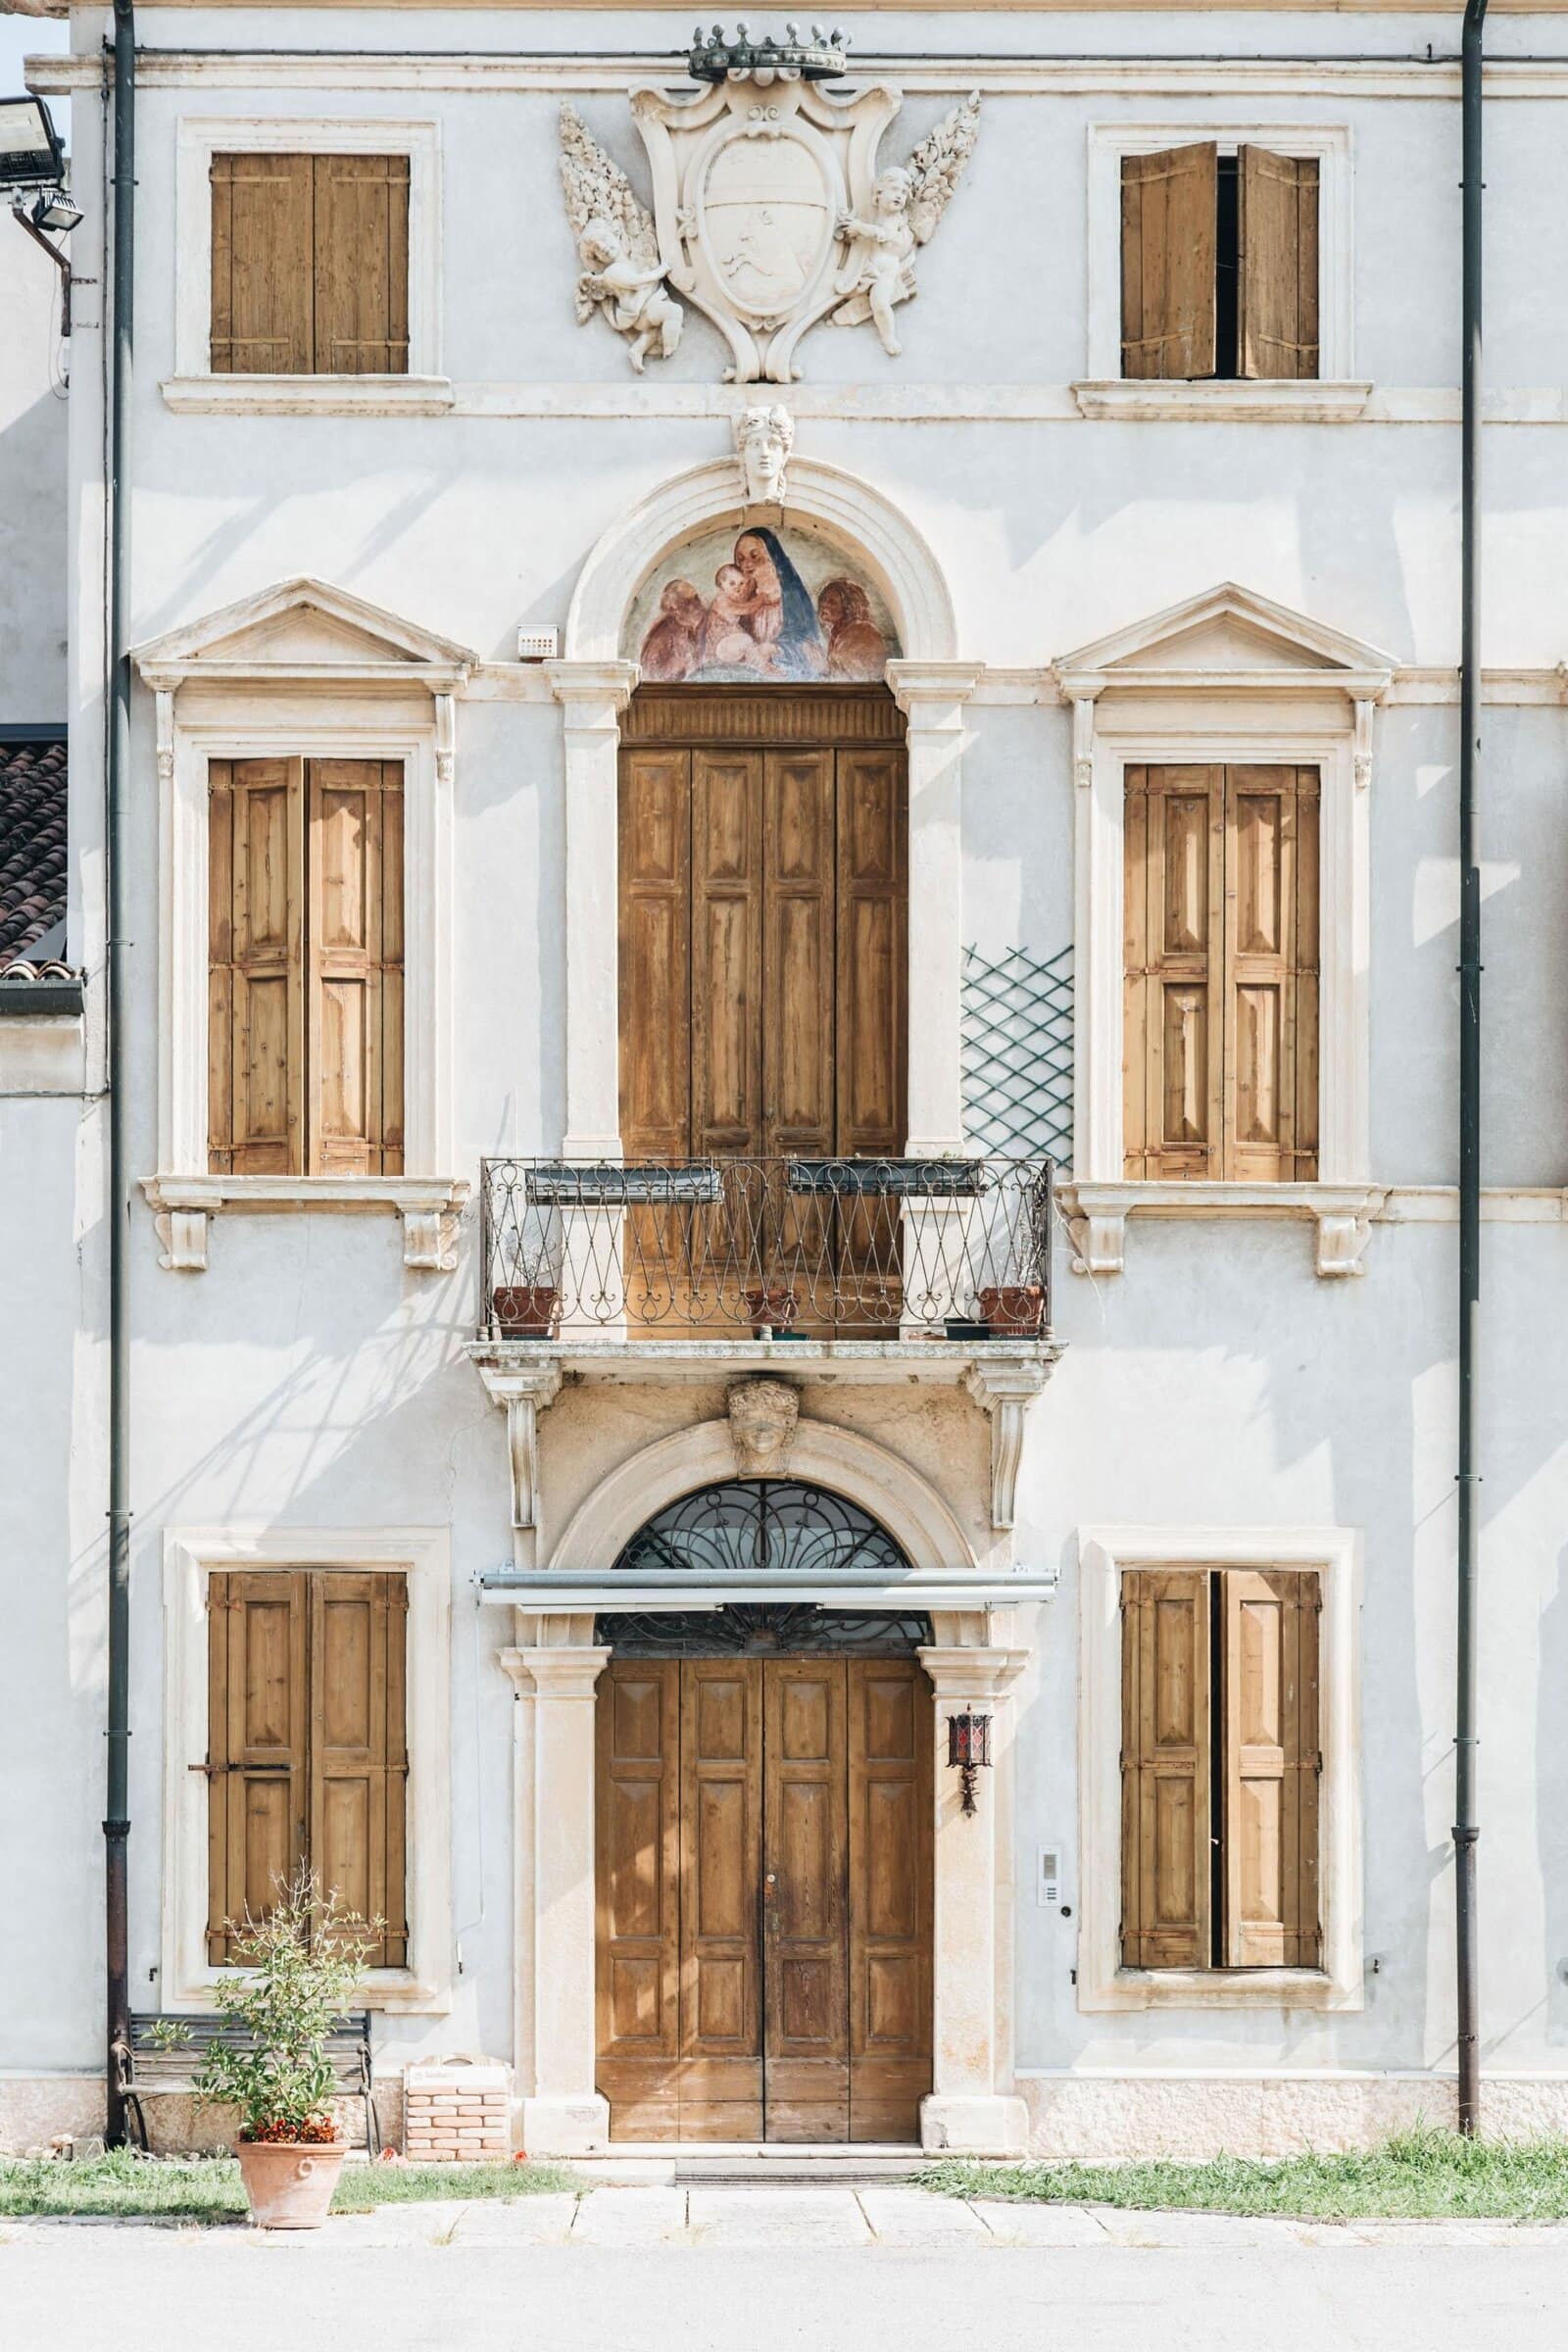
295	1972
526	1310
1013	1311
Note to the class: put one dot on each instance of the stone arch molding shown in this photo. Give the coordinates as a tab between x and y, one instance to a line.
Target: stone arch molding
820	1454
712	497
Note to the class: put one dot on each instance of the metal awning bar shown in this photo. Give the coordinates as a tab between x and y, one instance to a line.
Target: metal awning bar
607	1589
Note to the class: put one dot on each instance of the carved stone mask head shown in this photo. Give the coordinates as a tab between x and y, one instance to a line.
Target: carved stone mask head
763	1414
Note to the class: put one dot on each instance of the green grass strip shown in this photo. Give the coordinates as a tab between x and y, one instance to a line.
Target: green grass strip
1419	2174
207	2188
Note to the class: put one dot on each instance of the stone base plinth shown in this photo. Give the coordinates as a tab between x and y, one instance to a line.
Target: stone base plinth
1195	2114
976	2126
566	2127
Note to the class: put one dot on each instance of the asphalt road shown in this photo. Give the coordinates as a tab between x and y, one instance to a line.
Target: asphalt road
739	2271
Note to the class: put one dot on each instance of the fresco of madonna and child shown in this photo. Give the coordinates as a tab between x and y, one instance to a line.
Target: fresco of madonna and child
750	611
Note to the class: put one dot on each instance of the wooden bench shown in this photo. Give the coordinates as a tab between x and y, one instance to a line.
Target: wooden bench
151	2064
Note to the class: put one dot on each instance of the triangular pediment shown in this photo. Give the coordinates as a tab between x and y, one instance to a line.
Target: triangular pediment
1228	630
301	628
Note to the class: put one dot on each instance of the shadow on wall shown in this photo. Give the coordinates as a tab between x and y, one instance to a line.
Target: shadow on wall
32	560
1551	1801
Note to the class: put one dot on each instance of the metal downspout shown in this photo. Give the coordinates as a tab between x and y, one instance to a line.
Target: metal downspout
116	1823
1466	1829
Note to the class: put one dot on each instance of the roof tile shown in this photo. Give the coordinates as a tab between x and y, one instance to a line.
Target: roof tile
32	842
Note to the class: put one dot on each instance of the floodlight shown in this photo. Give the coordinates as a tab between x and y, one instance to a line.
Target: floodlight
31	153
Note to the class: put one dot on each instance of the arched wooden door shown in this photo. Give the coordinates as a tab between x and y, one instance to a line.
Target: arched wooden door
763	1860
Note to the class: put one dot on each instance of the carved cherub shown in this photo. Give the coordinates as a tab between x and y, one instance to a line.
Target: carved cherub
621	274
906	203
880	256
631	294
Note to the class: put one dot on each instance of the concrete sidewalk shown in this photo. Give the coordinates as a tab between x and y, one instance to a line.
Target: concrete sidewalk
784	2269
871	2217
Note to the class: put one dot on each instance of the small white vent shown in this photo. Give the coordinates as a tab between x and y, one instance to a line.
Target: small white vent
536	645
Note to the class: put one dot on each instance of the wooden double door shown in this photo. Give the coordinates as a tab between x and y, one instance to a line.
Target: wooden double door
764	1876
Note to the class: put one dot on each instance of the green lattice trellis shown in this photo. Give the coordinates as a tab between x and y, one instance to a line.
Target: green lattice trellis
1018	1053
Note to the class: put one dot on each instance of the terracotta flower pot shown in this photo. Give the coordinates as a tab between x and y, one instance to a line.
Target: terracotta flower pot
289	2183
1014	1311
770	1308
526	1310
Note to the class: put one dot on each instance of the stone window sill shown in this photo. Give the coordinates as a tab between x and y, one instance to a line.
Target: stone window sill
394	1992
428	1205
1235	401
1097	1214
308	395
1219	1988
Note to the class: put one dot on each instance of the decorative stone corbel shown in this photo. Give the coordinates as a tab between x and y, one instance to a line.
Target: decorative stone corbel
1361	745
446	739
1006	1391
1098	1239
1343	1236
430	1240
524	1395
1083	741
164	709
763	439
762	1417
184	1234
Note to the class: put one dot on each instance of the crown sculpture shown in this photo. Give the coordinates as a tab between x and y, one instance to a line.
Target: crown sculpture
771	212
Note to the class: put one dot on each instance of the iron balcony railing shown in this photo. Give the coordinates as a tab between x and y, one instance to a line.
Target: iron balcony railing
788	1248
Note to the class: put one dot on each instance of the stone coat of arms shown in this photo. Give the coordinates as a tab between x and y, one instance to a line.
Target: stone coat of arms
769	214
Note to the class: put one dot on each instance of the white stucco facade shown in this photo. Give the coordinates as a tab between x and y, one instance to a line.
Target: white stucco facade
1078	577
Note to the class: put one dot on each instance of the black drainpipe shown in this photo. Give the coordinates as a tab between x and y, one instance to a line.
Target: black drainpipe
1466	1829
117	1824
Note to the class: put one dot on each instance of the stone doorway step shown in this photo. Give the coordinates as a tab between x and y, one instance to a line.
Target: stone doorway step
771	2164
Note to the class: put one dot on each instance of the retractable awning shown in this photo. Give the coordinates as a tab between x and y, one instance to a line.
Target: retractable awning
604	1590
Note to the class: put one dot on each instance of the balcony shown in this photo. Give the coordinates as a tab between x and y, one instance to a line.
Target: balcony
780	1257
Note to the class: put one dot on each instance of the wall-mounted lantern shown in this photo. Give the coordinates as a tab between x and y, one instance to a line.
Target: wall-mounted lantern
968	1749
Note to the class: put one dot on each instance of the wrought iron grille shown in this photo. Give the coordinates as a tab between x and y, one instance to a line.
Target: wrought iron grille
762	1527
804	1248
761	1629
1017	1031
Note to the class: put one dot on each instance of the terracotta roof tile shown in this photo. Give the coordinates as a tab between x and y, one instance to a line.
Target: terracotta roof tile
32	842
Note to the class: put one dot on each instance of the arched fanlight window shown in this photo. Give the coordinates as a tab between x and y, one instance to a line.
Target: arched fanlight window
760	1525
757	1525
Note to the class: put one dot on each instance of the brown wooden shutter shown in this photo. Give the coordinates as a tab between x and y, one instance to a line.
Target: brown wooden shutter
355	947
1169	214
874	827
1277	297
654	952
361	265
1271	959
1174	901
1165	1767
261	264
359	1752
256	1724
1272	1767
255	997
